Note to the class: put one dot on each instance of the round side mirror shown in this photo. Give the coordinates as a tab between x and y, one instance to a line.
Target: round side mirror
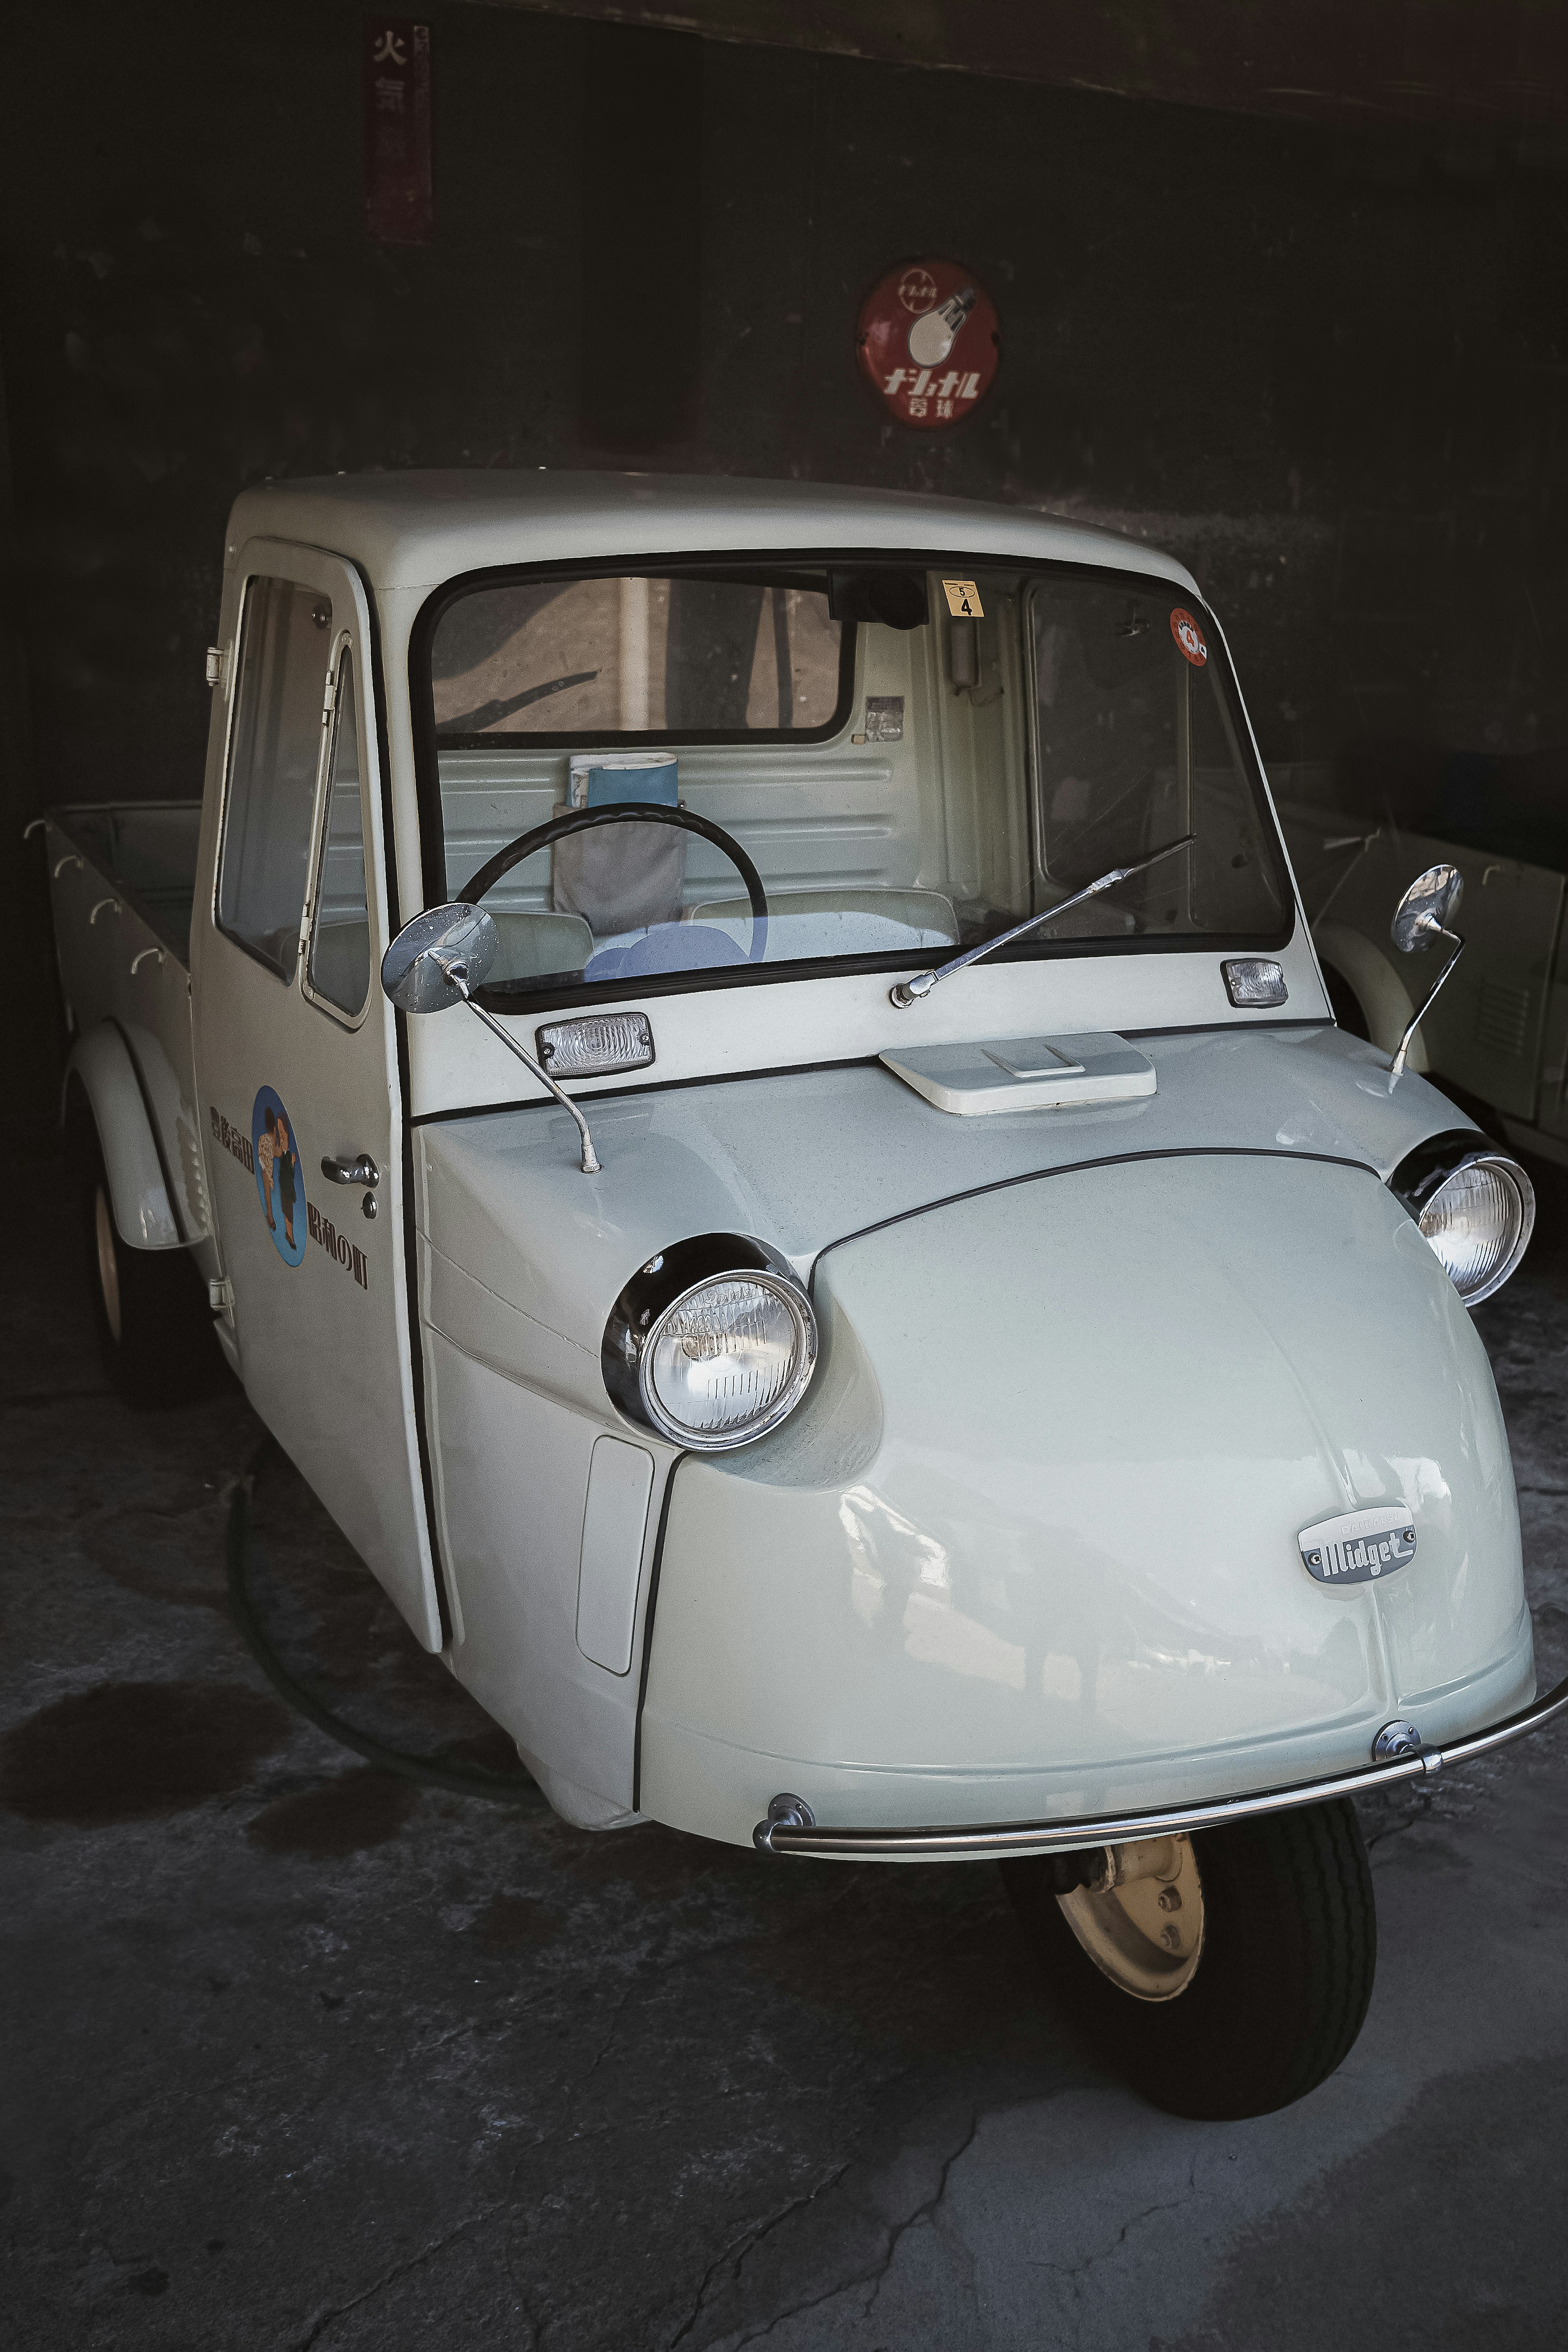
410	971
1427	908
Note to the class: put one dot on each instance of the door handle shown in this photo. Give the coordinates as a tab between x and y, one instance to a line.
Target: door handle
362	1171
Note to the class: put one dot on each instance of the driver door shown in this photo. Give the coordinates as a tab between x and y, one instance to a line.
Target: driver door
296	1066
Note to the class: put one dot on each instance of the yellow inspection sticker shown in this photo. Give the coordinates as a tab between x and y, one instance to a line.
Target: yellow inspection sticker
963	599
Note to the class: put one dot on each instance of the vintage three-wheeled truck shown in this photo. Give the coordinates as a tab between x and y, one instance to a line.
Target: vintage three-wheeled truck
739	1073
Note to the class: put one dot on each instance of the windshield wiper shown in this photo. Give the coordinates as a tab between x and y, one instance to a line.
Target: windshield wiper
909	992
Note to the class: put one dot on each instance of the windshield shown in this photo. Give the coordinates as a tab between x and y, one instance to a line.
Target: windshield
910	761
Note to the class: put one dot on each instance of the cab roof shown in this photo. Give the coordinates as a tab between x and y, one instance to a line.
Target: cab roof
414	531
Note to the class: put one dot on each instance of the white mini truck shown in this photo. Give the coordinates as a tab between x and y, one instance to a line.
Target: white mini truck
741	1071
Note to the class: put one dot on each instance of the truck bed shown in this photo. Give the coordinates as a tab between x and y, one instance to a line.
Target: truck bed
146	850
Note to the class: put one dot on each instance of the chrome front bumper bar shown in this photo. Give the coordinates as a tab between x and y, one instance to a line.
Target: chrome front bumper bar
791	1827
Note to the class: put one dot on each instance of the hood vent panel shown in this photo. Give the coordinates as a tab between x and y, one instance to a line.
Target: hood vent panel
1006	1073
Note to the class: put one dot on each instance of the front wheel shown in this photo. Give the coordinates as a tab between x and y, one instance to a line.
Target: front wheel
1224	1975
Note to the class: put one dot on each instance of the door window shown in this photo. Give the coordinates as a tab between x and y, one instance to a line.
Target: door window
285	647
339	939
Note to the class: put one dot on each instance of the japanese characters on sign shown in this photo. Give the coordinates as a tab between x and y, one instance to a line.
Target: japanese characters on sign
928	342
399	181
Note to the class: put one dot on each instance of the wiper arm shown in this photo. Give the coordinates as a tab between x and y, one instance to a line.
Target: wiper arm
909	992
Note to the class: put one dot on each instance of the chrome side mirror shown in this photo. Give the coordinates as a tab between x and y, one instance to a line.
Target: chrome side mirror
1425	911
439	959
1421	917
415	969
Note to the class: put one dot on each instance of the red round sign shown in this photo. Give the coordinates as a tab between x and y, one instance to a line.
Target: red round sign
928	342
1189	636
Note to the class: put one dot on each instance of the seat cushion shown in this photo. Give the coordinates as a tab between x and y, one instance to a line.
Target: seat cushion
839	922
531	944
667	947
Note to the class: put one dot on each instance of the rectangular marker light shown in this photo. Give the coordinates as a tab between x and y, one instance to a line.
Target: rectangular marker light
1254	980
592	1048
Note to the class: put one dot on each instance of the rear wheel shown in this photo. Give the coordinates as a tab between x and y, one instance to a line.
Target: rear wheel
155	1331
1224	1975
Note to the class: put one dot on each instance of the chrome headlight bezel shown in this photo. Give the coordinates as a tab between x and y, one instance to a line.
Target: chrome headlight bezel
658	1293
1424	1175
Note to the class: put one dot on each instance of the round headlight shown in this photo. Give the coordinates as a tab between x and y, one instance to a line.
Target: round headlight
728	1360
708	1349
1480	1220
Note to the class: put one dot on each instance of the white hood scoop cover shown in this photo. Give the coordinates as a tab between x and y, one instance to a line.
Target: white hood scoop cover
1003	1073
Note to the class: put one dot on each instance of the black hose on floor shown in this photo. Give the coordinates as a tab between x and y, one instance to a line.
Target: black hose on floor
501	1788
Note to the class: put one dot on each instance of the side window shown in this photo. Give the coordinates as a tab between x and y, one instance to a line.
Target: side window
285	647
339	940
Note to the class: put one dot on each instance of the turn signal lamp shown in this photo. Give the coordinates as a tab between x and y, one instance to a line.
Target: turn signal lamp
1251	981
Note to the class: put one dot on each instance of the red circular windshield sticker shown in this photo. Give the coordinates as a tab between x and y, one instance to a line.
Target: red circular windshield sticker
930	342
1189	636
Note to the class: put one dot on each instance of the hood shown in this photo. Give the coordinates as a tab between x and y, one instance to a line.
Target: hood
804	1160
1092	1412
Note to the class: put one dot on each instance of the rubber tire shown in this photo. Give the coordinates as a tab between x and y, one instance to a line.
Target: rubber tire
165	1352
1281	1988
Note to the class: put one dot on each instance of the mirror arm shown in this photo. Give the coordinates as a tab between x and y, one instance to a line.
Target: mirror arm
458	974
1396	1067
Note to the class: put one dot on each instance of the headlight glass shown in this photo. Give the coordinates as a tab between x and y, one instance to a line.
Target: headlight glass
1479	1220
728	1359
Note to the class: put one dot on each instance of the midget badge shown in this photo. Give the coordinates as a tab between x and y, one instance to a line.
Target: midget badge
1359	1545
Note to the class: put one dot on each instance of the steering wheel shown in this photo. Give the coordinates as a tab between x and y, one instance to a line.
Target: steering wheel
631	812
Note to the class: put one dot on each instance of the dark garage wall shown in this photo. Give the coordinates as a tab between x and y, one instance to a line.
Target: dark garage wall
1325	367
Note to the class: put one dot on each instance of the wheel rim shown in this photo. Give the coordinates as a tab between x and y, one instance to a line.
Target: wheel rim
1141	1920
108	1262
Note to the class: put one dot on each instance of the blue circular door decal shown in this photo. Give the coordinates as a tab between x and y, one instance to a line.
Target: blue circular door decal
280	1175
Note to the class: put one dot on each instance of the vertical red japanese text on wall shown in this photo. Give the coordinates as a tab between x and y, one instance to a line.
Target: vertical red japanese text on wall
399	179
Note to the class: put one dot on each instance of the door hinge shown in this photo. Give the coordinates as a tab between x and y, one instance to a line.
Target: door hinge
220	1298
217	664
331	695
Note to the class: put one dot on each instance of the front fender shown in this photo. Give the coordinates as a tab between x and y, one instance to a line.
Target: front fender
1059	1575
101	1067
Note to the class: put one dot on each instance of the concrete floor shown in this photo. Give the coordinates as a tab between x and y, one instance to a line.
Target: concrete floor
298	2055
